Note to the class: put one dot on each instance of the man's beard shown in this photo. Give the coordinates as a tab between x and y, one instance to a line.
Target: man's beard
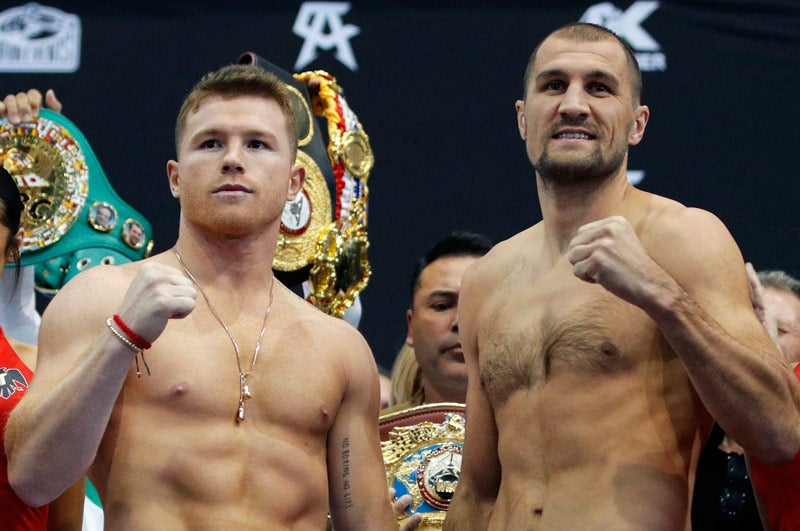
571	171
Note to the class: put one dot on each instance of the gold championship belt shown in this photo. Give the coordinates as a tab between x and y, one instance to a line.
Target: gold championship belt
422	449
323	236
72	218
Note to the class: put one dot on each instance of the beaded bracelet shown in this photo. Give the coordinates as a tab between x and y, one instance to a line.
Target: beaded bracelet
136	348
138	340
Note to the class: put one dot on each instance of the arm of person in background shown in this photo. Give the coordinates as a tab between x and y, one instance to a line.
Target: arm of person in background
480	477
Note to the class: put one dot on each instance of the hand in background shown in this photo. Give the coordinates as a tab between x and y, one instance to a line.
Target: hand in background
399	507
25	106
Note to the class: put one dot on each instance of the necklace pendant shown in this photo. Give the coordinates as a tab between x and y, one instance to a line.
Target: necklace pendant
244	389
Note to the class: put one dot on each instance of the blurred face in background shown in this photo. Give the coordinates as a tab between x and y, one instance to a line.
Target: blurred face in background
785	307
433	329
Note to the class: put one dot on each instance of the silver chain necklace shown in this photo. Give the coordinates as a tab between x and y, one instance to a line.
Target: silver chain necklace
244	389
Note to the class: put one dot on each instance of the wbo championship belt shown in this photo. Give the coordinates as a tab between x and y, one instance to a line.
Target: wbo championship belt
323	236
422	448
72	217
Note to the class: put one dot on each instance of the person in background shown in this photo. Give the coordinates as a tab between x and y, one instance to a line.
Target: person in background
206	422
601	342
17	364
433	339
723	498
781	300
429	368
777	488
19	316
385	382
20	321
406	378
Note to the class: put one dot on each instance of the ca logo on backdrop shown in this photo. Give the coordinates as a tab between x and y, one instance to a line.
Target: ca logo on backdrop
311	22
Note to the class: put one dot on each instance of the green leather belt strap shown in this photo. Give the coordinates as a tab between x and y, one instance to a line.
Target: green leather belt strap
73	218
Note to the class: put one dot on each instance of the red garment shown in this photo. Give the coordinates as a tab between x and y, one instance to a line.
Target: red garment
15	377
779	489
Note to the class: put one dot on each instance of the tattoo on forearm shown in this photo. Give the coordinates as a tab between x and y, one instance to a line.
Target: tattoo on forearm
348	495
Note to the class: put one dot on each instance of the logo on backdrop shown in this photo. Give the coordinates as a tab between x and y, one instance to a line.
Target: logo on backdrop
628	25
41	39
311	23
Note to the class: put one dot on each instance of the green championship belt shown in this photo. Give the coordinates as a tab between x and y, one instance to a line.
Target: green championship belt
422	449
72	218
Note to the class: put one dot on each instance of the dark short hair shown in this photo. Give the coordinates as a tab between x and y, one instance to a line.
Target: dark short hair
780	280
587	32
238	80
457	243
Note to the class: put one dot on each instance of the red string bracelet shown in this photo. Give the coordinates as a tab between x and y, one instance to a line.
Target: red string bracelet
138	340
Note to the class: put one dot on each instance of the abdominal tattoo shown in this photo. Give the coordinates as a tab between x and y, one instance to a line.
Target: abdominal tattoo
348	495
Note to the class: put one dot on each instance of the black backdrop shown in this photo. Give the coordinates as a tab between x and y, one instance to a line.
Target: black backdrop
435	89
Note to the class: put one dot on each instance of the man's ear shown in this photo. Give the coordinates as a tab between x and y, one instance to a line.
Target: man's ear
409	318
522	124
641	117
172	175
296	180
